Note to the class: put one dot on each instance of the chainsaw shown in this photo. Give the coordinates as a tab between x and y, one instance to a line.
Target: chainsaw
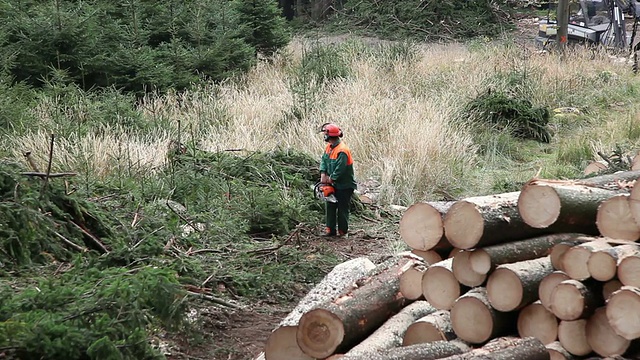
325	192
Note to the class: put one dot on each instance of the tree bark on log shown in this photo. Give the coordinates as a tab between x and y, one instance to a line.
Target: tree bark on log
426	351
536	321
603	263
512	286
614	219
281	343
463	272
629	268
486	220
545	289
411	281
573	337
563	206
431	328
557	352
612	181
574	262
355	314
440	287
573	300
421	226
474	308
601	336
507	349
623	312
391	333
484	260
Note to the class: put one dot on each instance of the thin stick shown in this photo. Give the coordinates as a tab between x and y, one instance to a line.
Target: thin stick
95	240
214	300
190	223
71	244
46	178
45	175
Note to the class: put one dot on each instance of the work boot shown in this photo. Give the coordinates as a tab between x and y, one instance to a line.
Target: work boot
343	234
328	232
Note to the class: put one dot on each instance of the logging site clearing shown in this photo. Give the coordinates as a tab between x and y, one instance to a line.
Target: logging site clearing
497	213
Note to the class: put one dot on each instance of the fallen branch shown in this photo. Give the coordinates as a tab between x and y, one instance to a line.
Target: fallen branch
96	242
44	175
214	300
189	222
70	243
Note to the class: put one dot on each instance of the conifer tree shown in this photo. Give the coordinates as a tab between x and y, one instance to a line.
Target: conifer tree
264	27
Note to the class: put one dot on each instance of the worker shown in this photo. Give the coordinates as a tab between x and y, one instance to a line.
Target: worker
336	169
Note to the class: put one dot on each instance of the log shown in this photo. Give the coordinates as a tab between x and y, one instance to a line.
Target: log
573	337
421	226
343	322
557	352
545	289
574	261
426	351
391	333
601	336
429	256
411	281
475	321
612	181
513	286
558	250
507	349
564	206
573	300
433	327
484	260
623	312
595	167
603	263
614	219
439	285
281	343
536	321
463	272
634	201
610	287
486	220
629	268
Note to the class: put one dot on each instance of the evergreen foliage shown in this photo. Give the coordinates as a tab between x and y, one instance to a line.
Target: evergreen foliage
431	20
137	45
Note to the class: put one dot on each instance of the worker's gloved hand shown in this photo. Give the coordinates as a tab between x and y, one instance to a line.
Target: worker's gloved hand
324	178
329	180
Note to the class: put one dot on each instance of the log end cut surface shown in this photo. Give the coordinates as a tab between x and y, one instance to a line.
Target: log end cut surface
567	300
421	226
504	290
623	312
282	345
463	225
629	271
545	289
319	333
471	320
480	261
534	320
411	283
573	337
602	338
614	219
602	266
539	206
440	287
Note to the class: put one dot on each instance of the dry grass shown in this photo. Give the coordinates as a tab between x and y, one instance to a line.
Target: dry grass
398	116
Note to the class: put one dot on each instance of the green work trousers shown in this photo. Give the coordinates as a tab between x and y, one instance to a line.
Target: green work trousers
339	211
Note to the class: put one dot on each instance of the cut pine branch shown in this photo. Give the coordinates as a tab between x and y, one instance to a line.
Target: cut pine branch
513	286
486	220
614	219
421	226
390	334
439	285
536	321
488	323
564	206
430	328
484	260
347	320
282	342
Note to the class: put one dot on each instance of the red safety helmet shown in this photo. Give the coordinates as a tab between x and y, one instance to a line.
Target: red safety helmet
331	130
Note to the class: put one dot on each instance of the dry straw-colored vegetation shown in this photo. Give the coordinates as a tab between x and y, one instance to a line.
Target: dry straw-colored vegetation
400	106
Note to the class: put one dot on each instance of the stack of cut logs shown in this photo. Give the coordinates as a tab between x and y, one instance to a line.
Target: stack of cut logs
548	272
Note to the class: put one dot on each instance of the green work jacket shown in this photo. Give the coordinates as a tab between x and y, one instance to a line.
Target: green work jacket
337	162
